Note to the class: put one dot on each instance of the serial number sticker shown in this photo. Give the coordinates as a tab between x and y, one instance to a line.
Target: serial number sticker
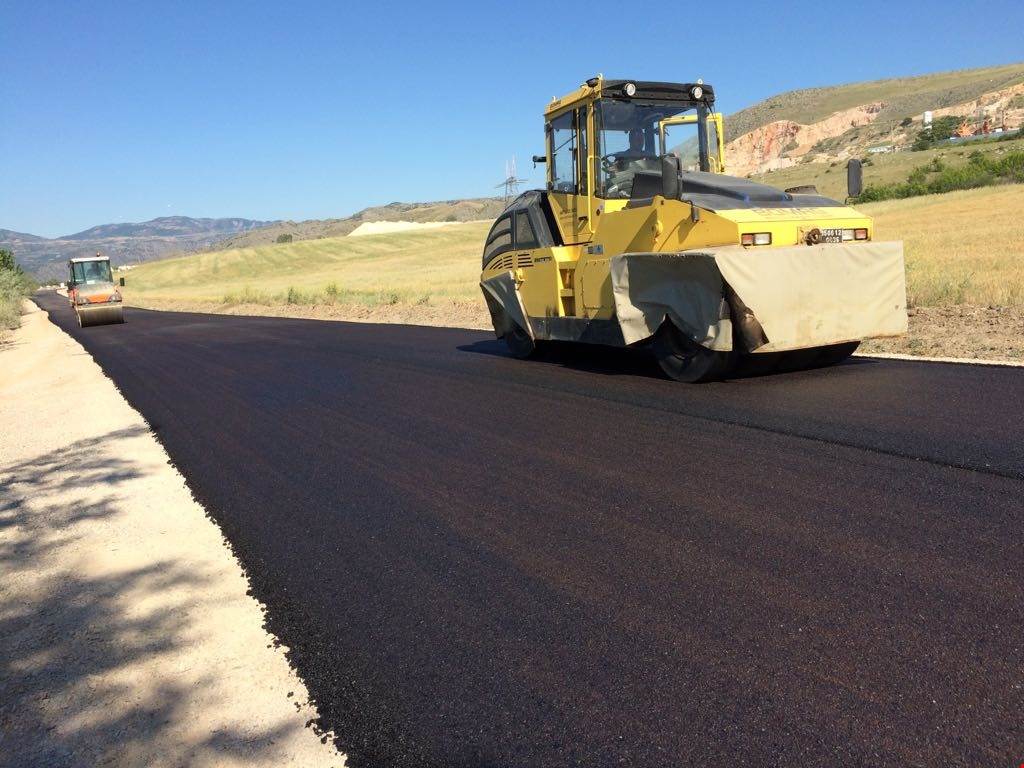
831	235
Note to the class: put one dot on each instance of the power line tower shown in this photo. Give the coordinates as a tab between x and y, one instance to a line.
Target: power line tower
511	182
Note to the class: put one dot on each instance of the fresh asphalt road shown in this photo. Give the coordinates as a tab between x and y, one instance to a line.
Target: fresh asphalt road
481	561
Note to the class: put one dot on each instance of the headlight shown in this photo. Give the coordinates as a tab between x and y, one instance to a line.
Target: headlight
629	89
696	92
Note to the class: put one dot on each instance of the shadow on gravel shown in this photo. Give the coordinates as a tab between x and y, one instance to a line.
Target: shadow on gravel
75	688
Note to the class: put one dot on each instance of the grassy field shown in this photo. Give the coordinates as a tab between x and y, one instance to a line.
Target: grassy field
962	247
964	252
423	267
883	168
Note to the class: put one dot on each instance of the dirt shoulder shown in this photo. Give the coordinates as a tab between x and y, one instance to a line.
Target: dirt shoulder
126	634
983	333
969	332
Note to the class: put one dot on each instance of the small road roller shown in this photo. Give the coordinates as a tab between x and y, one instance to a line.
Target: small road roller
94	297
641	238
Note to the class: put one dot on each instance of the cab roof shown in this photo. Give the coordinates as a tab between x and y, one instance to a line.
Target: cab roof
78	259
598	87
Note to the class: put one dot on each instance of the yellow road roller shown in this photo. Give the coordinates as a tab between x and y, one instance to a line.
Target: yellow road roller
641	238
94	297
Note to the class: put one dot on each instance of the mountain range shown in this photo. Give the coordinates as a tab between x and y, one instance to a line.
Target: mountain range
125	243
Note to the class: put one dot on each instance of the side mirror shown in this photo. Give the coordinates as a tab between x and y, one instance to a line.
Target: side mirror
540	159
671	169
121	281
854	178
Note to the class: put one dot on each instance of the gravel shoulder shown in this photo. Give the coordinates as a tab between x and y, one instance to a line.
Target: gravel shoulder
127	637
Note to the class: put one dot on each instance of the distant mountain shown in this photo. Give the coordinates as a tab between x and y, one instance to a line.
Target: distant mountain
10	236
170	226
127	243
471	209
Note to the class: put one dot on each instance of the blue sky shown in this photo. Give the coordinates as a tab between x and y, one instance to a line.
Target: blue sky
127	111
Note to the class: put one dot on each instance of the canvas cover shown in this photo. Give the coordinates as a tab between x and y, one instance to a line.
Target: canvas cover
800	296
505	304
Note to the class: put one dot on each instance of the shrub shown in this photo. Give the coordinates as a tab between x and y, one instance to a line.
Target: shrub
15	285
980	171
286	238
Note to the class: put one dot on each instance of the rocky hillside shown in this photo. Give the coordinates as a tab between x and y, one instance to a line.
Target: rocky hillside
827	124
129	243
447	210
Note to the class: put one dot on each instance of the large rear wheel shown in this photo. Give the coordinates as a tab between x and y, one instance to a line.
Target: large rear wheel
685	360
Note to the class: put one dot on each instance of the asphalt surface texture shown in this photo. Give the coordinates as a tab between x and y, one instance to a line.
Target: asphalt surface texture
482	561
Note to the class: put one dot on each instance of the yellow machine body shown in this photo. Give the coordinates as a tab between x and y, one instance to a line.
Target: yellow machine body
565	252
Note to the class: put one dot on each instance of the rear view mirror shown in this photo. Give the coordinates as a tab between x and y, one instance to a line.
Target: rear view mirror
670	172
854	178
121	281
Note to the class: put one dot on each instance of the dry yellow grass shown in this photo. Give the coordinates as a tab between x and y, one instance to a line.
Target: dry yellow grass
419	267
961	247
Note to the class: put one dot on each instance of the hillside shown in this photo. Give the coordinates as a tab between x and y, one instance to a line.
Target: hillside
127	243
823	124
449	210
890	168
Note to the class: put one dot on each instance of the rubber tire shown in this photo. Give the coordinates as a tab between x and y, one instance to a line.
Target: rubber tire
684	360
520	344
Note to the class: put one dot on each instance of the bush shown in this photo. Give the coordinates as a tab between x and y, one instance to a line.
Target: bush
15	285
283	239
980	171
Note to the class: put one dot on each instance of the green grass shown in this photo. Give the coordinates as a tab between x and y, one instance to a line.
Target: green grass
405	267
980	171
886	169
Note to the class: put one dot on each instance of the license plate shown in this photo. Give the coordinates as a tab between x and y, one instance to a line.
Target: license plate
831	235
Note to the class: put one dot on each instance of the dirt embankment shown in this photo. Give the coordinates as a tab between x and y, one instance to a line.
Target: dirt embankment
784	143
126	634
966	332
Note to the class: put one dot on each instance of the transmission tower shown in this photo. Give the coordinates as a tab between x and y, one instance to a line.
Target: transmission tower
511	182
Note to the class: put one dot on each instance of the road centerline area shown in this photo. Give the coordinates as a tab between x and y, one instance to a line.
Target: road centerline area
481	561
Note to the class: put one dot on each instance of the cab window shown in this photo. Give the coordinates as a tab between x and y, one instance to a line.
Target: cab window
500	238
525	236
627	136
563	137
91	272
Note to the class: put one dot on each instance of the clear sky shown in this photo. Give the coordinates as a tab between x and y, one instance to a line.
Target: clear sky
127	111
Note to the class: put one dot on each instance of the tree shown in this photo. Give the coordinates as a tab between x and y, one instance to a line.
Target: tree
7	261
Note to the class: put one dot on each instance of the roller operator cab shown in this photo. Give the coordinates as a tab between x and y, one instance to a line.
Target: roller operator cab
94	297
640	238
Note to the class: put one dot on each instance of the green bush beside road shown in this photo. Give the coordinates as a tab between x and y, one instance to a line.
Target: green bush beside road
15	285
